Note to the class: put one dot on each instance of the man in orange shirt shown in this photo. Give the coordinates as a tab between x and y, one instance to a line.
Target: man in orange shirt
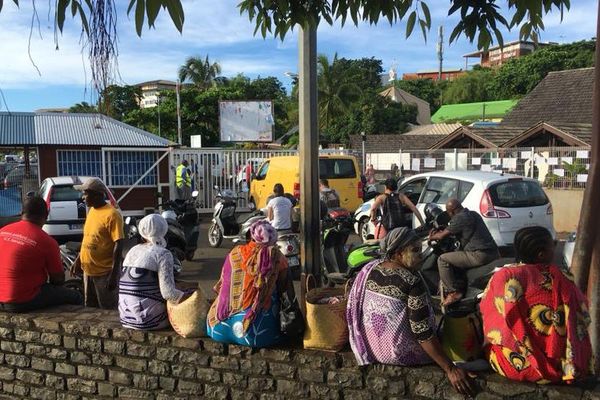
101	250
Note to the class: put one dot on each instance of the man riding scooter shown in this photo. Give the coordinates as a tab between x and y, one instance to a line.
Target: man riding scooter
477	249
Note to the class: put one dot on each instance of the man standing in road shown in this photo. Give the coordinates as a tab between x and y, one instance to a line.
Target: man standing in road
31	272
279	209
327	195
386	210
183	181
101	249
477	249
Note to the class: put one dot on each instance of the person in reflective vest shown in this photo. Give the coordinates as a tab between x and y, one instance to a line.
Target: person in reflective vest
183	181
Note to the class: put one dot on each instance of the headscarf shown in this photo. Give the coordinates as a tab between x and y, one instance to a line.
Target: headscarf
153	228
263	233
396	240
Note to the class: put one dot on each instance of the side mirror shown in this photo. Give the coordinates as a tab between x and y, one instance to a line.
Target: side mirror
30	194
195	193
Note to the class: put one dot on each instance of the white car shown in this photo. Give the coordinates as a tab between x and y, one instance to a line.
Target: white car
66	208
241	175
507	203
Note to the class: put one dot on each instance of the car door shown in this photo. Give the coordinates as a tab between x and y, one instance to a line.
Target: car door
259	188
67	206
413	189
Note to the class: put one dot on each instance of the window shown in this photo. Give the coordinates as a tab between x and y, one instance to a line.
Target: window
413	189
126	167
440	190
65	193
331	168
463	191
518	193
79	163
262	173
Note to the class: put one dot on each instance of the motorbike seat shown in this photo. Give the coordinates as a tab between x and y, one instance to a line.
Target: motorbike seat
480	276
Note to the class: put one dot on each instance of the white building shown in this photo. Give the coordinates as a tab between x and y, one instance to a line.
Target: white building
151	90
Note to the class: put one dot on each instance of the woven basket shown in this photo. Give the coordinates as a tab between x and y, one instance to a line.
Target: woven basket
188	318
326	325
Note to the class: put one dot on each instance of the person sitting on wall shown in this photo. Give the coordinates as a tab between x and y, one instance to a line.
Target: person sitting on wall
389	313
535	319
254	276
31	272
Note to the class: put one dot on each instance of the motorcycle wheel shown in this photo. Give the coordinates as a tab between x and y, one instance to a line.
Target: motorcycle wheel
363	228
215	236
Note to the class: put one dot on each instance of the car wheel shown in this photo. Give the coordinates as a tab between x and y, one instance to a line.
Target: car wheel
363	228
215	236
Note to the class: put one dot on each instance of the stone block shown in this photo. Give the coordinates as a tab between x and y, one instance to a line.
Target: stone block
315	359
119	377
103	359
114	347
166	383
129	335
282	370
184	371
194	357
254	367
69	342
47	325
504	387
167	354
276	354
239	351
237	394
89	372
345	379
139	350
377	384
292	388
213	347
225	362
260	385
194	389
42	393
55	382
272	396
31	377
7	373
185	343
170	396
56	354
347	360
75	328
564	393
12	347
6	333
99	330
159	338
131	393
65	369
81	385
132	364
311	375
35	350
17	360
235	380
23	335
208	375
21	389
51	339
487	396
425	389
106	389
359	395
22	321
160	368
67	396
90	344
147	382
216	392
324	392
80	357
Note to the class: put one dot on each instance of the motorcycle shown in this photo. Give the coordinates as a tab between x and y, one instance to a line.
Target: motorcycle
225	223
68	254
336	226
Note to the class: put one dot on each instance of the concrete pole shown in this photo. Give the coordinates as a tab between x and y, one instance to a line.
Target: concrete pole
310	248
586	256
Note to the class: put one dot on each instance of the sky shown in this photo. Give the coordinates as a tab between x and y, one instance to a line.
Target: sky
216	28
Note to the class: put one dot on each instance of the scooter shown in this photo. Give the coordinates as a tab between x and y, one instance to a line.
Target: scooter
68	254
225	223
336	226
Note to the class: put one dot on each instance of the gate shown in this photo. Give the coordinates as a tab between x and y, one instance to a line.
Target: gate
225	169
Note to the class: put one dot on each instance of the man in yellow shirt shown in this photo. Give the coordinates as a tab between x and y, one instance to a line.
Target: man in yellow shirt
100	256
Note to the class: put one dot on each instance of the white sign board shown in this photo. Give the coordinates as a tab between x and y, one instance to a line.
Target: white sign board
196	141
246	121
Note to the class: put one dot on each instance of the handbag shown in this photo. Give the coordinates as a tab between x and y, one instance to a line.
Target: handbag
291	320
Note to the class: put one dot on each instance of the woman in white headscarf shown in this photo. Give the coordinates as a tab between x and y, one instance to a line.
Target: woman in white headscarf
147	281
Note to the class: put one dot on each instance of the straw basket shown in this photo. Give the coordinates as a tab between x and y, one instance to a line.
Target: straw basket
326	326
188	318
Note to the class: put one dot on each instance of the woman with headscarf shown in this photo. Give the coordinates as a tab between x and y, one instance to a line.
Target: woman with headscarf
246	310
389	314
147	280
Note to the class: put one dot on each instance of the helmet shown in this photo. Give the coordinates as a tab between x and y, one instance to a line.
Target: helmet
169	215
432	211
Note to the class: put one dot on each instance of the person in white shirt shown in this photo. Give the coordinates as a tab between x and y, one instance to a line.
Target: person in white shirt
279	209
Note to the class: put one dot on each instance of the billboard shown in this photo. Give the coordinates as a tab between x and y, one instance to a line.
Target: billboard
246	121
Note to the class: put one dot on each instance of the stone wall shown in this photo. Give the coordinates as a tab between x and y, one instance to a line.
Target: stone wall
78	353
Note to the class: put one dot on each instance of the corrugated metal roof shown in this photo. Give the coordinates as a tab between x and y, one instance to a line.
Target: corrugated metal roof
434	129
72	129
17	129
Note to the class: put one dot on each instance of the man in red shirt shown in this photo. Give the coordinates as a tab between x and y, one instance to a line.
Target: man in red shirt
31	273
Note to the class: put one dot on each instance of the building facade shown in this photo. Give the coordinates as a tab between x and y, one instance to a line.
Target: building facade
496	56
151	91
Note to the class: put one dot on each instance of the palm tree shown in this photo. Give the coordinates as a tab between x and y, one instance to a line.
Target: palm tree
336	92
200	72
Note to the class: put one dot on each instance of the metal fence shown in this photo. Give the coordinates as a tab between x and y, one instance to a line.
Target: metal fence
226	169
554	167
16	180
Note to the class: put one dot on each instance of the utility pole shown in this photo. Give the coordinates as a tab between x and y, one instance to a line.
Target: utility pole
310	243
177	87
440	51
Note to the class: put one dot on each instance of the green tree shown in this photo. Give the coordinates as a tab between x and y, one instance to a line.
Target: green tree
116	101
83	108
426	89
474	86
201	73
364	72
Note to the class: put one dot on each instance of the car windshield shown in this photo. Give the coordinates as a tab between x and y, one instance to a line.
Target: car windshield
336	168
65	193
518	193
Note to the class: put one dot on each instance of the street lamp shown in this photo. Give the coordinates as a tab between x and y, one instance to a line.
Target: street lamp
363	136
